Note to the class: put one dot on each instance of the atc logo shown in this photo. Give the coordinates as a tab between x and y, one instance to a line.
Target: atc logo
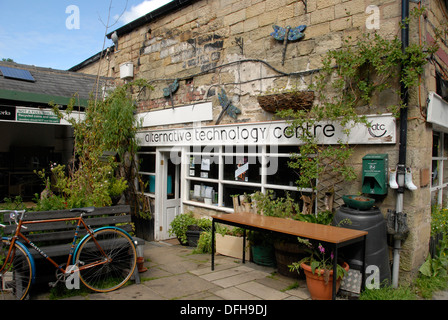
377	130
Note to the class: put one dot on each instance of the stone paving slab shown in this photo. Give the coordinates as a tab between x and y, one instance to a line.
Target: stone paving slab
234	293
262	291
175	272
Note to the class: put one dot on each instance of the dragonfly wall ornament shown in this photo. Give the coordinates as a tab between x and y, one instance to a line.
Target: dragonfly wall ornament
227	106
287	34
168	92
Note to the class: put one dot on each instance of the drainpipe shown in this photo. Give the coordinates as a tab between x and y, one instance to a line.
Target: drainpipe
401	167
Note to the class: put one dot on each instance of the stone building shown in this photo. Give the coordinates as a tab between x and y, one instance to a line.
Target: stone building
213	52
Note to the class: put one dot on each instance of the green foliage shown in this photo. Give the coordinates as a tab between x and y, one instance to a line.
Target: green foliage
268	205
180	224
13	204
93	178
204	243
389	293
437	266
318	259
350	78
439	220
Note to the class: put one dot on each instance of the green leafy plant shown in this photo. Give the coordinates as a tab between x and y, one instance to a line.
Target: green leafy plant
269	205
179	226
319	259
439	220
345	87
204	243
437	266
285	207
93	178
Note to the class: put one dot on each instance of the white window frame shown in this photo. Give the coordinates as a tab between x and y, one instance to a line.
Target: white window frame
221	153
440	187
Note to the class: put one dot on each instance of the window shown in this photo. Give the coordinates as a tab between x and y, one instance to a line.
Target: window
439	179
441	86
215	174
147	159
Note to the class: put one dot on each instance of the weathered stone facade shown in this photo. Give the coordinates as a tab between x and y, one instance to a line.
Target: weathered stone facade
212	44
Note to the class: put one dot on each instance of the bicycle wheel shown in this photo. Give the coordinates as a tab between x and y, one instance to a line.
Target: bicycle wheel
107	260
16	277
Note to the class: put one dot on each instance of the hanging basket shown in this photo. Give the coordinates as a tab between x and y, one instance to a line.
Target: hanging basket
300	100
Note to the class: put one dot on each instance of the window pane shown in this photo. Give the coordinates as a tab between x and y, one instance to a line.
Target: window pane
242	168
435	173
283	149
148	183
279	172
232	190
147	162
435	144
204	167
445	171
203	192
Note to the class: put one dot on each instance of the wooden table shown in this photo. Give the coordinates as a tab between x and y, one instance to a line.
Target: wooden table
335	237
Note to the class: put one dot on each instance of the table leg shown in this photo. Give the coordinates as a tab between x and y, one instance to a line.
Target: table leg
244	246
363	267
213	244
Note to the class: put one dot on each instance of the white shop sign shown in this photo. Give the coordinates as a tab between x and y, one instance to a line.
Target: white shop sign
381	131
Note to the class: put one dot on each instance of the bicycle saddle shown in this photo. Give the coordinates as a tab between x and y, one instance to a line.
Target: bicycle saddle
85	210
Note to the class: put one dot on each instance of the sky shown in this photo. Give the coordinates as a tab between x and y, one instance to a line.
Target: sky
60	34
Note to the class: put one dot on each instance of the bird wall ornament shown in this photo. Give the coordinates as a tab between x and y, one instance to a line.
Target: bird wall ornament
287	34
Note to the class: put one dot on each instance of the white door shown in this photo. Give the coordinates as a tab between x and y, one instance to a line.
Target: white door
168	195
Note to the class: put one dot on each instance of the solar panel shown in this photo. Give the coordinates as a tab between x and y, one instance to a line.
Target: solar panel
14	73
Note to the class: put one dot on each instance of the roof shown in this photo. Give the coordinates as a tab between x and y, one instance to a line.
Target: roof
49	85
93	59
151	16
127	28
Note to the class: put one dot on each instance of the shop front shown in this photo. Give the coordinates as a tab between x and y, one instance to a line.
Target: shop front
202	167
32	139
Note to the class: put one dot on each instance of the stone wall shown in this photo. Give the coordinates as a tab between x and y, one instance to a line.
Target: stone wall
226	44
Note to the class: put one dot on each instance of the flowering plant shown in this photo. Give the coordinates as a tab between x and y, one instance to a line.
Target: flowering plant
319	259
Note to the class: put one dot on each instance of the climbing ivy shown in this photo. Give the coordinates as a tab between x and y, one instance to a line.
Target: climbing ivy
345	87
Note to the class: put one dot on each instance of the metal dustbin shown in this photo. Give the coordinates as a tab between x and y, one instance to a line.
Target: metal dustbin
377	252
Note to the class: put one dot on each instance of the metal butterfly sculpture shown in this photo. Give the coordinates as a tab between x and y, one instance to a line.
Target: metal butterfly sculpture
287	34
227	106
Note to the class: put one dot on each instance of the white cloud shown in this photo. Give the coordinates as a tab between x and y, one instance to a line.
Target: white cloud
141	9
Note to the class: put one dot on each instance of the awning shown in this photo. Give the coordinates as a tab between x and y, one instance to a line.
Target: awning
437	112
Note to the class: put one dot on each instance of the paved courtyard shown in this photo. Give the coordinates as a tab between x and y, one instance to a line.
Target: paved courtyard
176	273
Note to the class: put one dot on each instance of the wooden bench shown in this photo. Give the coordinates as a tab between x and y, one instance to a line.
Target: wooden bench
55	238
335	237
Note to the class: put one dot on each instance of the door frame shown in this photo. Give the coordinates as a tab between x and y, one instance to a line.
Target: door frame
161	227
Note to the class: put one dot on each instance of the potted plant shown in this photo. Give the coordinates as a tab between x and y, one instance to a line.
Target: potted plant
262	248
179	226
229	242
318	268
194	230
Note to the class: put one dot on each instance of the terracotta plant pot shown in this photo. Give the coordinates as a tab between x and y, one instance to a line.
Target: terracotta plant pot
316	283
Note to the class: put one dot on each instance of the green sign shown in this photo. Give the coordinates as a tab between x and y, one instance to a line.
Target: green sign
34	115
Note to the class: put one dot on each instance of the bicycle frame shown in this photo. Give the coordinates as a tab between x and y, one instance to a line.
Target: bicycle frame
80	221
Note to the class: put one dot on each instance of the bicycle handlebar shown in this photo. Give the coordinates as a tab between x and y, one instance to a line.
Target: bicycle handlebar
14	215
